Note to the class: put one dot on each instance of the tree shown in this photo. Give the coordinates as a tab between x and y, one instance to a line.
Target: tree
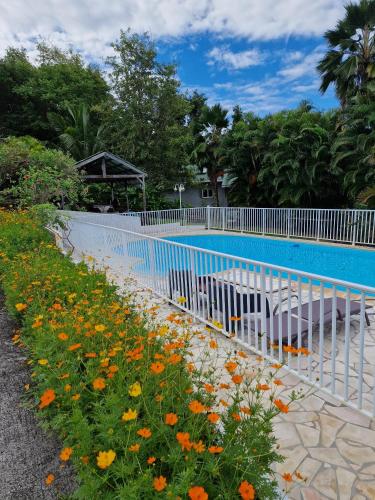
349	63
354	148
29	92
207	153
243	150
147	122
297	165
77	133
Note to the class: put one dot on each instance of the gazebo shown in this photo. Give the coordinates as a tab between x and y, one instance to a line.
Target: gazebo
109	168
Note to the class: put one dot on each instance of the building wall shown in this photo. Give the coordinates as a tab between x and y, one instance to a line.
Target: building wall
192	196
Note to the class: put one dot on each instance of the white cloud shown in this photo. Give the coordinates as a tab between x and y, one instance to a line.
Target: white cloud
304	67
92	25
224	58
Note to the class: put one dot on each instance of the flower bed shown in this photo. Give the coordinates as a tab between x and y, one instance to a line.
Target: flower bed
137	418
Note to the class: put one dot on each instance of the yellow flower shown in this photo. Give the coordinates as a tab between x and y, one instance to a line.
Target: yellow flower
129	415
181	300
135	390
100	328
20	307
105	458
43	362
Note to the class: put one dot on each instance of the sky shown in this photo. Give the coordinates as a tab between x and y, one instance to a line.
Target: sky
260	54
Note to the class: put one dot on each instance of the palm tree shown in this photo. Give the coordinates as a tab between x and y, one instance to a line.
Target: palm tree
207	154
367	197
78	135
349	63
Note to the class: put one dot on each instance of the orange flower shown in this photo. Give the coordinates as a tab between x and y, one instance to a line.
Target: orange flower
277	381
199	447
98	384
160	483
209	388
151	460
184	440
49	479
76	397
281	406
263	387
242	354
196	407
235	318
113	369
134	448
237	379
90	355
245	410
21	307
213	418
145	433
246	490
57	307
85	459
236	417
224	386
231	366
171	419
287	476
65	454
46	398
215	449
197	493
157	367
213	344
73	347
63	336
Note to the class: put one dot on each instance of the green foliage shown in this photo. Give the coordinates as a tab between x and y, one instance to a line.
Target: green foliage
146	124
78	134
207	153
350	60
354	147
33	174
88	346
28	92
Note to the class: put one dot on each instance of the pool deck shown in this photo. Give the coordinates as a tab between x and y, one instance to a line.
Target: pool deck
331	445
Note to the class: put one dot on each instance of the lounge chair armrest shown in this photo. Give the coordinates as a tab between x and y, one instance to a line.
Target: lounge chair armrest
293	296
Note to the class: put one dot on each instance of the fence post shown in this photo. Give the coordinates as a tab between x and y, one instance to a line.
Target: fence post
318	223
288	215
263	221
208	217
223	217
355	222
241	220
263	299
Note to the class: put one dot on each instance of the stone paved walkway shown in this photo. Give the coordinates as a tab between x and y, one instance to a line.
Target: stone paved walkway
331	445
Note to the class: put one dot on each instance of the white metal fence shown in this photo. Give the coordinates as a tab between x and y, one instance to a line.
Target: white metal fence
356	227
318	327
344	226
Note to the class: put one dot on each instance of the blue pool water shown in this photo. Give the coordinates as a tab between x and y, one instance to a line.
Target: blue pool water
353	265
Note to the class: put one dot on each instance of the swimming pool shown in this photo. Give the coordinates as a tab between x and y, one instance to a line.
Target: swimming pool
353	265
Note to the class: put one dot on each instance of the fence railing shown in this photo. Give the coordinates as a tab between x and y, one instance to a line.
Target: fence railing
344	226
318	327
356	227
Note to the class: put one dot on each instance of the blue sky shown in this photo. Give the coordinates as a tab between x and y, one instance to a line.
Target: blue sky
261	54
262	77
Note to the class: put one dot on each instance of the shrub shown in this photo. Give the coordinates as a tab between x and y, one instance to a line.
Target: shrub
33	174
137	418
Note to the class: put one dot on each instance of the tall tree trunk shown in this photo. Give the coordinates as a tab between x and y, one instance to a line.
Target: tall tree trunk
215	190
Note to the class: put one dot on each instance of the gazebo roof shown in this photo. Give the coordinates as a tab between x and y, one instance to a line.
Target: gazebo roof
107	167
